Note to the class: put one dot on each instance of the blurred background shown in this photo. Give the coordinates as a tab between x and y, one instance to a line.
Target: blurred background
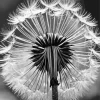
7	6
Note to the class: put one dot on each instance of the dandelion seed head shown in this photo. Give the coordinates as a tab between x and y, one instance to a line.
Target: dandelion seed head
55	46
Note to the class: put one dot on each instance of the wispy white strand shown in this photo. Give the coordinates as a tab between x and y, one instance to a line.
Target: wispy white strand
75	34
58	24
28	26
37	25
68	21
8	33
75	40
43	24
86	19
53	30
24	40
93	35
63	24
22	9
5	49
48	24
69	5
49	4
15	19
6	58
71	28
25	30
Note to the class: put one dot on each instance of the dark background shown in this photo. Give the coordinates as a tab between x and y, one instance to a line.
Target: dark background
7	6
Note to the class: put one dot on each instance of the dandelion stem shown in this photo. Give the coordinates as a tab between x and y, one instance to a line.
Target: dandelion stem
54	83
53	72
55	92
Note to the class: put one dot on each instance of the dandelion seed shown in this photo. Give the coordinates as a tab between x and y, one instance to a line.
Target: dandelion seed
54	57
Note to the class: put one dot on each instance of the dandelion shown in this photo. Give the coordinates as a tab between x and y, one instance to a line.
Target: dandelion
50	52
